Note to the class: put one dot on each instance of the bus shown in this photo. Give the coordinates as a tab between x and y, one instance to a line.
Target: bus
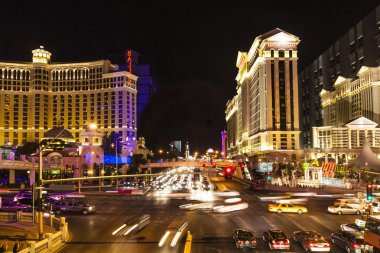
372	233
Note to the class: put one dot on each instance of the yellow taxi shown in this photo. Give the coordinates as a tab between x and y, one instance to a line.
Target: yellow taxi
286	208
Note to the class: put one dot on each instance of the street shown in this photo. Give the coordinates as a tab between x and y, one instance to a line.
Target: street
212	232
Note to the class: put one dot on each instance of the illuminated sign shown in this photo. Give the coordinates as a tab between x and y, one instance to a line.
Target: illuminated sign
281	45
129	65
40	60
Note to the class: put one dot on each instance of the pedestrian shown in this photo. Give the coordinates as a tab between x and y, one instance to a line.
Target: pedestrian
4	246
16	247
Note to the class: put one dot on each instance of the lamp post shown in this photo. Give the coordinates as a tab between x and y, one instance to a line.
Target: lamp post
115	146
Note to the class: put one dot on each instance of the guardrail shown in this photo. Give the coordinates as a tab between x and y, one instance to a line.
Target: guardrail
52	241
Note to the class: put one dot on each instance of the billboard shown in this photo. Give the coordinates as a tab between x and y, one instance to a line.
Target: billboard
265	167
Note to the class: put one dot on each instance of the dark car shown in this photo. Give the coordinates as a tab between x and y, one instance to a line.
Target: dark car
351	241
311	241
11	206
46	202
276	239
70	206
23	195
244	239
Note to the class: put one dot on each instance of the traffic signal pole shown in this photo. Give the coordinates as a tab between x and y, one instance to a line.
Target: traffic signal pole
39	201
369	191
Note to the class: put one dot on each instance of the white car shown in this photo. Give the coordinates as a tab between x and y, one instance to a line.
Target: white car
375	207
352	227
345	209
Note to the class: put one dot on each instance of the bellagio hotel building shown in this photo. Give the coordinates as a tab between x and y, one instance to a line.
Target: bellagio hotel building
37	96
262	117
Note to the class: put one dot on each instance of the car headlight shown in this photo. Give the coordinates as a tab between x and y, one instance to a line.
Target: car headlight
90	208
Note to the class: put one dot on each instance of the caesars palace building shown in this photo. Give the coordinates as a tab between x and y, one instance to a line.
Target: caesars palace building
263	115
37	96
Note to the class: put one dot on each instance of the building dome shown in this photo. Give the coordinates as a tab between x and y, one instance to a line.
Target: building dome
58	132
40	55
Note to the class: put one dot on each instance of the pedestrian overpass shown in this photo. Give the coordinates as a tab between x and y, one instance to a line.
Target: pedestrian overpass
223	163
32	167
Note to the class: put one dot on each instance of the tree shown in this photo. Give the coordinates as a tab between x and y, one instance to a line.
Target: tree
27	149
109	142
137	160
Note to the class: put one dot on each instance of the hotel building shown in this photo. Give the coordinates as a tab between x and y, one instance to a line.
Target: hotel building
40	95
344	143
352	98
351	113
360	46
263	116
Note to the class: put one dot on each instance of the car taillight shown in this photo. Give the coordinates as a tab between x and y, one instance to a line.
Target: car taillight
273	242
326	245
286	241
356	245
253	242
312	245
240	242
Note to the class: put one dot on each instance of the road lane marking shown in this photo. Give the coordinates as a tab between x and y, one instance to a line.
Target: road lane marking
117	230
321	223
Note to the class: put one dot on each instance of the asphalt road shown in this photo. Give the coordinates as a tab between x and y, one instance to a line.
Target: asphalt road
212	232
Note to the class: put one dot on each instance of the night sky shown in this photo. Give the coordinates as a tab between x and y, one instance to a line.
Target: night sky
193	45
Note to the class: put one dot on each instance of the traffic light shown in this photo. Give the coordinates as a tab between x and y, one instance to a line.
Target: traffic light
269	177
228	171
369	191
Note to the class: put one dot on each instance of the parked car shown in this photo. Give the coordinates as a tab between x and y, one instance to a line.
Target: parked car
311	241
276	239
352	242
72	207
286	208
345	209
244	239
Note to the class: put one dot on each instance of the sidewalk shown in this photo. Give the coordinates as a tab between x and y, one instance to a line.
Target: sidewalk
22	231
324	190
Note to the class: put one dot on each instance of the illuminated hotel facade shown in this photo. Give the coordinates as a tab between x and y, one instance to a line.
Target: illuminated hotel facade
359	46
37	96
351	113
263	115
352	98
345	142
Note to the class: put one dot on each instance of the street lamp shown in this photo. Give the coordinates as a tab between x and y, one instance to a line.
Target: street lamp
113	145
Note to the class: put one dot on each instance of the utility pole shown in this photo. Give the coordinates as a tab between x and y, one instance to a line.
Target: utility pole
116	142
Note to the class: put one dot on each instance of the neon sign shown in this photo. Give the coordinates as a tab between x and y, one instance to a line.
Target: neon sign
129	65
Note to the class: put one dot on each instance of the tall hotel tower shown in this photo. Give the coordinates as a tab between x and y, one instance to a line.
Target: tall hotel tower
263	116
37	96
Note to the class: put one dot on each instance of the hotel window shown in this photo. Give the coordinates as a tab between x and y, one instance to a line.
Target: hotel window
352	59
359	32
